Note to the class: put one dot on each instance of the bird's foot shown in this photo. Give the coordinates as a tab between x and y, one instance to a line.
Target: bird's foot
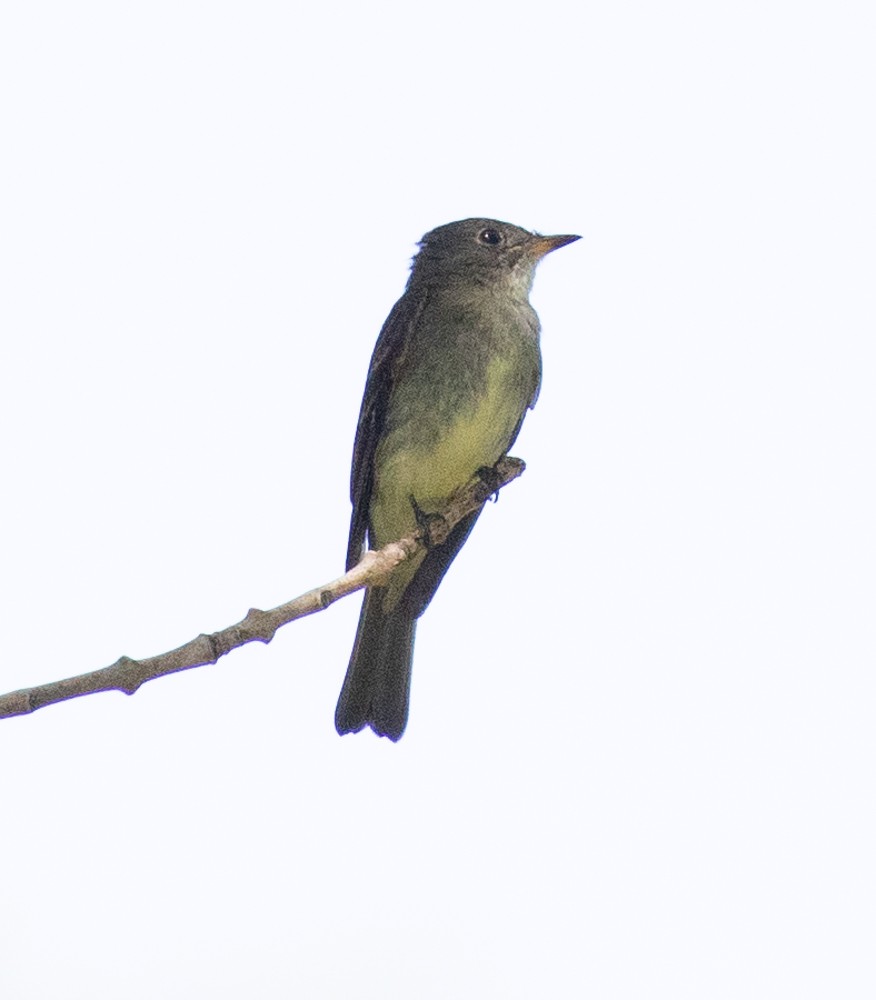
492	480
433	526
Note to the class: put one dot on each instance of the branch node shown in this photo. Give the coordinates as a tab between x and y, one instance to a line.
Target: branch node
129	674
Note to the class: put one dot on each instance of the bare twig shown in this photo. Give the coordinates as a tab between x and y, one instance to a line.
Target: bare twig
260	626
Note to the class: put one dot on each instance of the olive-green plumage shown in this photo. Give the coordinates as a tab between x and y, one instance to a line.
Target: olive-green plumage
455	368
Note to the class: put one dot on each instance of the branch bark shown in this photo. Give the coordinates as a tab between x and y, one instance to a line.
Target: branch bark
374	569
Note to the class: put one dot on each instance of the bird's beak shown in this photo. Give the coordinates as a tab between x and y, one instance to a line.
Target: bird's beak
541	245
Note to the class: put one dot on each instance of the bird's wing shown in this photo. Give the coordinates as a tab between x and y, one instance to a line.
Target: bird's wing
389	352
431	571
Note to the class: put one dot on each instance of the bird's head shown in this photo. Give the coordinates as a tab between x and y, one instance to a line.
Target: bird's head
485	251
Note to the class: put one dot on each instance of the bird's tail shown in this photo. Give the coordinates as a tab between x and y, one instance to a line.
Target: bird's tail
378	682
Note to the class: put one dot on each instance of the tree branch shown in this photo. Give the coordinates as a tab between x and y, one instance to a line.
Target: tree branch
374	569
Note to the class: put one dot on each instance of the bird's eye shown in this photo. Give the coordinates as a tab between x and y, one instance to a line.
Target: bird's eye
490	236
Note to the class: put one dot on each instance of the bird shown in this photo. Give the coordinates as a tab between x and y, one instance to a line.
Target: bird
455	368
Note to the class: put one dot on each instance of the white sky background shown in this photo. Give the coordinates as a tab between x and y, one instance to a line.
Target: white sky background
640	759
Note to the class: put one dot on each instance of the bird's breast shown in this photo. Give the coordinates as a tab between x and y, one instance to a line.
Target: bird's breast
440	437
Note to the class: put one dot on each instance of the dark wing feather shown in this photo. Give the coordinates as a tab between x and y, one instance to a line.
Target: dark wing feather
388	354
420	591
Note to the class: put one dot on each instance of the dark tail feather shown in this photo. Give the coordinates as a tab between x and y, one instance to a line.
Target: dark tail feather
378	681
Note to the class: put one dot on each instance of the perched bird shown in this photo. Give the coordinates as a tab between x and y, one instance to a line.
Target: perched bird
455	368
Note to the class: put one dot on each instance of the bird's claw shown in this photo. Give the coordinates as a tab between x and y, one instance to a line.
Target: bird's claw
429	524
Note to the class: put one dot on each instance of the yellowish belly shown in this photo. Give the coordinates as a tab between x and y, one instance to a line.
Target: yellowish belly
430	468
